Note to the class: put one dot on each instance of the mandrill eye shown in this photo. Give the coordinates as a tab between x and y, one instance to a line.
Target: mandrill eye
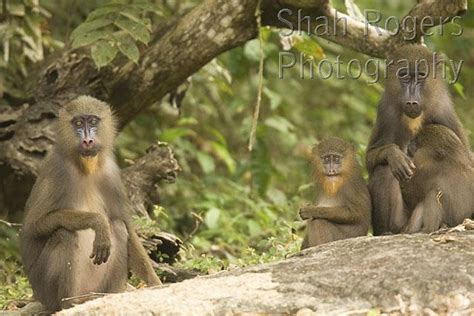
78	123
94	121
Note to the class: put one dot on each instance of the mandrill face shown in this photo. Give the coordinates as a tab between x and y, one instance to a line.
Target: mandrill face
86	128
412	84
332	163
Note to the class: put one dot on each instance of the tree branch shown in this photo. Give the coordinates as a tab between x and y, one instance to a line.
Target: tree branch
359	35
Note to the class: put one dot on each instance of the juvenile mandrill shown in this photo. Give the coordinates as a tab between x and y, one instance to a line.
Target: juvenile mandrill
342	208
77	235
441	190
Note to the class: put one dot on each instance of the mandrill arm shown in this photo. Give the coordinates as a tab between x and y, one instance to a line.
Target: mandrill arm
73	220
335	214
138	260
401	165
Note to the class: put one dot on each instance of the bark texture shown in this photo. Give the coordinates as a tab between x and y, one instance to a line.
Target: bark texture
142	178
407	274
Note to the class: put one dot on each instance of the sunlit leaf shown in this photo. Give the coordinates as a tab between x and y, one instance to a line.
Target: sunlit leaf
127	46
83	29
103	53
137	30
137	18
105	10
187	121
88	38
206	162
223	153
171	134
276	196
275	98
218	135
459	88
280	124
212	217
252	50
308	46
253	227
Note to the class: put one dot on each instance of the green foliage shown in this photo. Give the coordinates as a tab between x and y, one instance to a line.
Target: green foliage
115	27
14	285
309	47
23	42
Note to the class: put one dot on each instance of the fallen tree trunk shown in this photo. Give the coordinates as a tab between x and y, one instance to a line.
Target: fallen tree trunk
395	274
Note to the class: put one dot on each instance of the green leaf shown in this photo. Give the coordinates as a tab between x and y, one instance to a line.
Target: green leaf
105	10
145	6
85	39
218	135
171	134
212	217
87	27
275	98
261	168
103	53
127	46
138	31
187	121
276	196
252	50
459	88
135	17
280	123
308	46
254	228
223	153
206	162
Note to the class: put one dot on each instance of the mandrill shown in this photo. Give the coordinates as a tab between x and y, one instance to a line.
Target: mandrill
77	235
342	208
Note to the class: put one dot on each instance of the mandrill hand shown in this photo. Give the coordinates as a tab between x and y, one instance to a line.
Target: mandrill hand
305	211
401	165
102	244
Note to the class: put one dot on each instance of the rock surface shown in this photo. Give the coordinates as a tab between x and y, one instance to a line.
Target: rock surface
392	274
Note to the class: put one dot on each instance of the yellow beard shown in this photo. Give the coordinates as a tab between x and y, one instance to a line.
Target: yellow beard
90	164
332	185
413	125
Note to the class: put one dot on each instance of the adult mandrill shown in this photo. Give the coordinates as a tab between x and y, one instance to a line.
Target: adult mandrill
342	208
440	191
415	95
77	235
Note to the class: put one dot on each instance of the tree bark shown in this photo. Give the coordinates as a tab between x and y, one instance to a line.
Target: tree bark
142	178
400	274
178	49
